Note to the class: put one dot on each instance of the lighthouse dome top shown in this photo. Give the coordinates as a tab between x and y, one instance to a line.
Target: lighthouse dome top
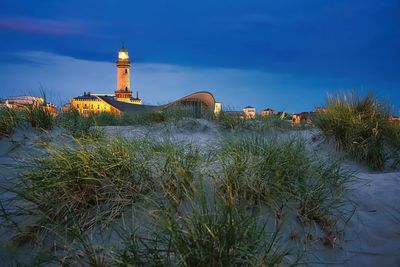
123	54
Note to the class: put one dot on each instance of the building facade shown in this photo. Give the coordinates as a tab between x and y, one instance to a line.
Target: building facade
249	112
91	104
267	112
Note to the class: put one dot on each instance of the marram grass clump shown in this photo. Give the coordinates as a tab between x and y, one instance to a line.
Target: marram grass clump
234	121
393	140
9	120
280	173
209	230
77	125
178	166
361	126
84	182
38	116
229	121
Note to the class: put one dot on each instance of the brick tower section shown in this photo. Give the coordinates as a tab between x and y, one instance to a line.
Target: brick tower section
123	91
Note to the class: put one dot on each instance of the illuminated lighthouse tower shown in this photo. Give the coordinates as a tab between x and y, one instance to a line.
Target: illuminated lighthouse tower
124	92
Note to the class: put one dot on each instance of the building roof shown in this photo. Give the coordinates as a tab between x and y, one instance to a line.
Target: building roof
123	106
86	97
248	107
204	96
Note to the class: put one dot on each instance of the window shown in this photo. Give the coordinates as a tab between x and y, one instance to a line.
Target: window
77	105
91	106
126	88
126	70
98	106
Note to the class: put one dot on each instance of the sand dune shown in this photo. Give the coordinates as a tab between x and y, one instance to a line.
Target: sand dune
371	236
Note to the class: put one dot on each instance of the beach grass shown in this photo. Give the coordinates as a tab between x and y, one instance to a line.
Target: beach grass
233	121
77	125
90	183
178	165
9	120
88	126
208	230
229	121
281	174
359	125
38	117
83	183
191	206
393	141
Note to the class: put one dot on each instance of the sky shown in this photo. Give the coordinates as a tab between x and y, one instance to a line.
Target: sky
287	55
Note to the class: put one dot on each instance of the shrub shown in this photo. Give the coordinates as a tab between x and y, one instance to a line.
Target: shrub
359	126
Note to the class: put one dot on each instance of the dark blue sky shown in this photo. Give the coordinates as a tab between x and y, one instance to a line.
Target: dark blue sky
280	54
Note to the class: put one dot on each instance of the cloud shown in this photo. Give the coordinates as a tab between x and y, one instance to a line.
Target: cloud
44	26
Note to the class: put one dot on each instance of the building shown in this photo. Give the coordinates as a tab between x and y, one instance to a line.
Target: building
218	108
123	93
296	119
267	112
249	112
123	101
27	101
304	117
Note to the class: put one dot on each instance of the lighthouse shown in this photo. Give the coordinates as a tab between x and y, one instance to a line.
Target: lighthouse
124	91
